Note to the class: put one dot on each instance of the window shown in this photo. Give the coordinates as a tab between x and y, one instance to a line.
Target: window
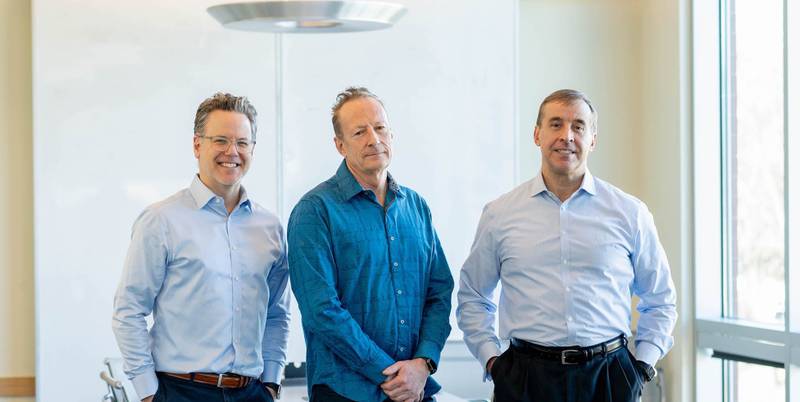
752	154
746	76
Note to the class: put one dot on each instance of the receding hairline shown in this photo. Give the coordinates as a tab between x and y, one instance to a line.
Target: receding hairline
568	97
346	96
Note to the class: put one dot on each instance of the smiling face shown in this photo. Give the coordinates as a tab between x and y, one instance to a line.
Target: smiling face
365	140
222	171
566	135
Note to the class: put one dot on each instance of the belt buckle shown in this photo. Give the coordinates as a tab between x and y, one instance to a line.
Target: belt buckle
219	380
564	356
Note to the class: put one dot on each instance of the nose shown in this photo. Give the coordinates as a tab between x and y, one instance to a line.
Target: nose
374	137
567	135
231	150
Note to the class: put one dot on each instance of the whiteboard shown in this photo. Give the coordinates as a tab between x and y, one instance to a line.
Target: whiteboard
116	85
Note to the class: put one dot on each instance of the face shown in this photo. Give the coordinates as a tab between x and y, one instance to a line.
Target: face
222	171
566	136
366	141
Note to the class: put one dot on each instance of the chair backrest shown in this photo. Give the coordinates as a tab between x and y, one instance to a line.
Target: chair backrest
126	393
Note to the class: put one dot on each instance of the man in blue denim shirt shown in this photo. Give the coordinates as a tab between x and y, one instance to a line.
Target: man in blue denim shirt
369	274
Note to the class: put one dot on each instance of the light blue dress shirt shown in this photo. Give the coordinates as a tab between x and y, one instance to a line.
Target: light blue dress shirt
567	272
215	284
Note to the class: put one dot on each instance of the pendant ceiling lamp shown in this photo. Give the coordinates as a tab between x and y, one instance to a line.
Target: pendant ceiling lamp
301	16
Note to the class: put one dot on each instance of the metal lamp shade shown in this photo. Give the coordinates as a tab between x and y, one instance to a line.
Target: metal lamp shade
308	16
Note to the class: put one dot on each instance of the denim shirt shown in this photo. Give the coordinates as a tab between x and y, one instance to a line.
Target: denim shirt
372	284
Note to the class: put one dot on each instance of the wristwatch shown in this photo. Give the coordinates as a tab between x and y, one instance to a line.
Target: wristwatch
648	372
430	364
275	387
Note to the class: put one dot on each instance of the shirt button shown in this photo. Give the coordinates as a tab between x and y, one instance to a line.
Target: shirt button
233	247
395	264
565	261
402	348
237	308
399	291
402	322
235	278
569	319
391	237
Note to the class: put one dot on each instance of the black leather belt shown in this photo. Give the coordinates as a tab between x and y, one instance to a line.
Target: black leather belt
570	354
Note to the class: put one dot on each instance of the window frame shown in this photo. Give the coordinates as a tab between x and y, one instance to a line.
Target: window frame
714	332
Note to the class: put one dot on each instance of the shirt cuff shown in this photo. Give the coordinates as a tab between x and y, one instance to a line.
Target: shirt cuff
272	371
647	352
485	352
373	369
430	350
146	383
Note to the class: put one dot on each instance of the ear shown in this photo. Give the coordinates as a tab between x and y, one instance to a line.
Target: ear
196	145
339	145
536	135
594	141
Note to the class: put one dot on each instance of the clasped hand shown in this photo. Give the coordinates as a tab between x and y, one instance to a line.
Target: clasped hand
405	380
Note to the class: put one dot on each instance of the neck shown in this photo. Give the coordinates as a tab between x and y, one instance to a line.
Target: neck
563	186
375	181
230	194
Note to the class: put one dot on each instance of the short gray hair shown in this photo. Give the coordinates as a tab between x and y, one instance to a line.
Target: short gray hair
567	96
350	93
228	103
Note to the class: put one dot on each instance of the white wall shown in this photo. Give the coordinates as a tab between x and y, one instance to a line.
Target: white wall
116	85
16	194
115	88
665	172
592	46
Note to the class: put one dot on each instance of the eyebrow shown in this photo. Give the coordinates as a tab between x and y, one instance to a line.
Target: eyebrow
559	120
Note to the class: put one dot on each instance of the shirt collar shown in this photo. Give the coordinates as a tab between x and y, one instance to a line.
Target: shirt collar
588	184
349	187
203	195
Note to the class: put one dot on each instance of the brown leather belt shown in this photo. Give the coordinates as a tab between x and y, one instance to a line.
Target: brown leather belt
227	380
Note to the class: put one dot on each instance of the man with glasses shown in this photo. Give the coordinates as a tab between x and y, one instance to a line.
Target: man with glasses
210	265
369	274
569	250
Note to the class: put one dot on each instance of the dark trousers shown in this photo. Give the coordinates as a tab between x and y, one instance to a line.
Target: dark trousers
520	377
171	389
324	393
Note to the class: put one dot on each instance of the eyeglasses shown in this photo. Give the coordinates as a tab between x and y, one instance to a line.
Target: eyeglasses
221	143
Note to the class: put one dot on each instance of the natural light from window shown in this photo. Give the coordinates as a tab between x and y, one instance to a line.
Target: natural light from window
757	169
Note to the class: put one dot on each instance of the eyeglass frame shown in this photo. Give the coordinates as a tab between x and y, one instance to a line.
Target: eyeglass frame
250	146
